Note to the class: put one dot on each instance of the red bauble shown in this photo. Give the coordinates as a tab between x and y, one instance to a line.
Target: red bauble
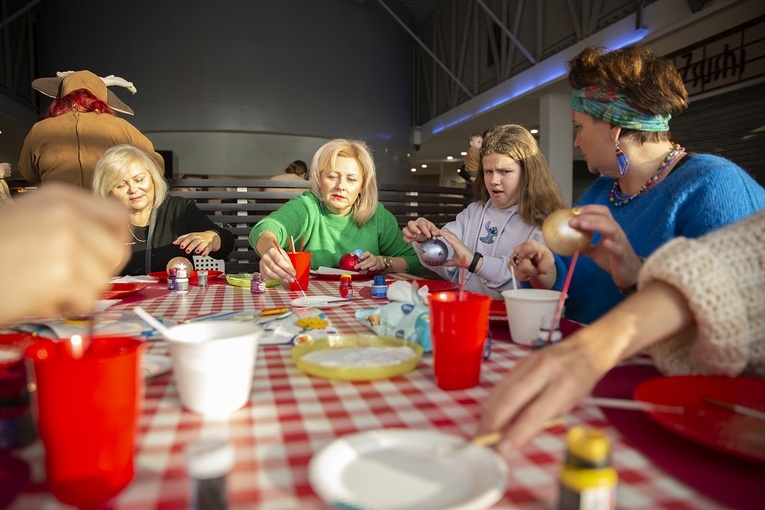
348	262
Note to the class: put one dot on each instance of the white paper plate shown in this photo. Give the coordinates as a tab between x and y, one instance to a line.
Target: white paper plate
403	469
154	365
319	302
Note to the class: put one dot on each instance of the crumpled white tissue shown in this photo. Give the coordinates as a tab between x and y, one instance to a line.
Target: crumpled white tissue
407	291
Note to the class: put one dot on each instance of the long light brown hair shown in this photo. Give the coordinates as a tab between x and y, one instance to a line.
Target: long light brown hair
538	193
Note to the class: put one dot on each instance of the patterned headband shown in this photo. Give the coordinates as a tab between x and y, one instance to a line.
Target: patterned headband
614	107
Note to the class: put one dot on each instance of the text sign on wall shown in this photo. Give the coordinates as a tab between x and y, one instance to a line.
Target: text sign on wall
729	58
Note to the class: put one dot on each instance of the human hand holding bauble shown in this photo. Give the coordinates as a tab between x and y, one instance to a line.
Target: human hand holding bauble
562	238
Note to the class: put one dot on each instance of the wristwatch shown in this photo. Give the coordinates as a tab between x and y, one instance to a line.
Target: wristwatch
388	263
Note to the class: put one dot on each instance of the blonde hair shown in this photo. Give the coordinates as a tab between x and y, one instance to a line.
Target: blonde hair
325	159
115	164
538	193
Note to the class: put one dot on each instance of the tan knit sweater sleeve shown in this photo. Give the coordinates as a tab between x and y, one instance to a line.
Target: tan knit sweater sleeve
722	276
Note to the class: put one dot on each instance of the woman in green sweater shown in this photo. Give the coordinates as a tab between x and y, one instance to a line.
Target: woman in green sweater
339	215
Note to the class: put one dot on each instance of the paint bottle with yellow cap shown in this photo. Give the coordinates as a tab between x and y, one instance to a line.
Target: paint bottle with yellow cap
587	479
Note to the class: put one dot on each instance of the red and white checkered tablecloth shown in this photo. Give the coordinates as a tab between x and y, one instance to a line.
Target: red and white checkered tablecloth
292	415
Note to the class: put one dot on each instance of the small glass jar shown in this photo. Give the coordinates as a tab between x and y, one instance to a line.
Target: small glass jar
587	479
208	462
379	287
257	284
182	281
202	278
546	325
171	283
346	286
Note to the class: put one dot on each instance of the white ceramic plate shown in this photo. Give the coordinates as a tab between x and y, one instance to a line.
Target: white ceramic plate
404	469
319	302
154	365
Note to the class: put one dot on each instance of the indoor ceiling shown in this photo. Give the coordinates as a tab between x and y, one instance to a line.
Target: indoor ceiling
421	10
432	152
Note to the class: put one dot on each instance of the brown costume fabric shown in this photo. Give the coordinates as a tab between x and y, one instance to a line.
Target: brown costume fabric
66	148
56	147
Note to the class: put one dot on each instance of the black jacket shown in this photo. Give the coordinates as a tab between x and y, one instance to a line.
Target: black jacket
174	217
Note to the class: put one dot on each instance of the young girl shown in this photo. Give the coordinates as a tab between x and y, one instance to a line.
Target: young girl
513	199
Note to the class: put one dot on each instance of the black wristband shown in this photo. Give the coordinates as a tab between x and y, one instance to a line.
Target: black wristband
474	264
628	291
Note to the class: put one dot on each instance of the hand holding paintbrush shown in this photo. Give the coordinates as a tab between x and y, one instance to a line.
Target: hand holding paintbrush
295	280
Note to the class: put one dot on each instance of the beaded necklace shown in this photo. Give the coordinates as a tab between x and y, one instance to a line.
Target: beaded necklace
618	200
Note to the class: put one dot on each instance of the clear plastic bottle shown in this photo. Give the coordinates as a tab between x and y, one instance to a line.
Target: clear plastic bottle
208	462
587	480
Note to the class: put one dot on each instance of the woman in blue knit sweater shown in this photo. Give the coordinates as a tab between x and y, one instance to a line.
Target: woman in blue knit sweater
649	189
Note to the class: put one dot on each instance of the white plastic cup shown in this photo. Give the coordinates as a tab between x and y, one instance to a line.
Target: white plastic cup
213	364
525	310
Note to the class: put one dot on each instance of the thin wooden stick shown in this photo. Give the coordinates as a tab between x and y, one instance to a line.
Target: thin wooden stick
492	438
302	243
278	248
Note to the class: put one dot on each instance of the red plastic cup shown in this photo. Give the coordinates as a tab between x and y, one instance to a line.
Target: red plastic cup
87	410
301	261
458	330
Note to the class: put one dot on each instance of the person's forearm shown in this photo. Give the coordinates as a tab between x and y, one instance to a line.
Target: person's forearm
265	242
656	312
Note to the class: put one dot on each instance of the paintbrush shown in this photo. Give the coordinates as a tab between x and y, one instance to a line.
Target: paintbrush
297	282
489	439
736	408
631	405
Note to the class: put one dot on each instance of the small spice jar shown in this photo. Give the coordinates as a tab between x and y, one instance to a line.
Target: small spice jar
208	461
346	286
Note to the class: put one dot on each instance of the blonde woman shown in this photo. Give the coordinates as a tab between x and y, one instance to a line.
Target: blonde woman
338	215
162	227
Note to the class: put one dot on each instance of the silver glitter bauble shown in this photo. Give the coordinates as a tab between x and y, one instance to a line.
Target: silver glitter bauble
434	252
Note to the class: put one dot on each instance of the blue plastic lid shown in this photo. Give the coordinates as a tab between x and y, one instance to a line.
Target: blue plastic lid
379	280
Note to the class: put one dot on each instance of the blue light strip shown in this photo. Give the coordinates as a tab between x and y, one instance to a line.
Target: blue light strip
529	80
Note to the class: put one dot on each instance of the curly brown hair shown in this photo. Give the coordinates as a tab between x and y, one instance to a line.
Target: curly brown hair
538	193
652	82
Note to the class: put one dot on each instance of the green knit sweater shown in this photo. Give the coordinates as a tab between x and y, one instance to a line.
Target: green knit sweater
328	236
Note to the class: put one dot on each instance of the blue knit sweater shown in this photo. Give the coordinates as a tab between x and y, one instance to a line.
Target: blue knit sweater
703	194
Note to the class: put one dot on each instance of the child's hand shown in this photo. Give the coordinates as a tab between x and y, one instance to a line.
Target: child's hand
420	230
463	256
